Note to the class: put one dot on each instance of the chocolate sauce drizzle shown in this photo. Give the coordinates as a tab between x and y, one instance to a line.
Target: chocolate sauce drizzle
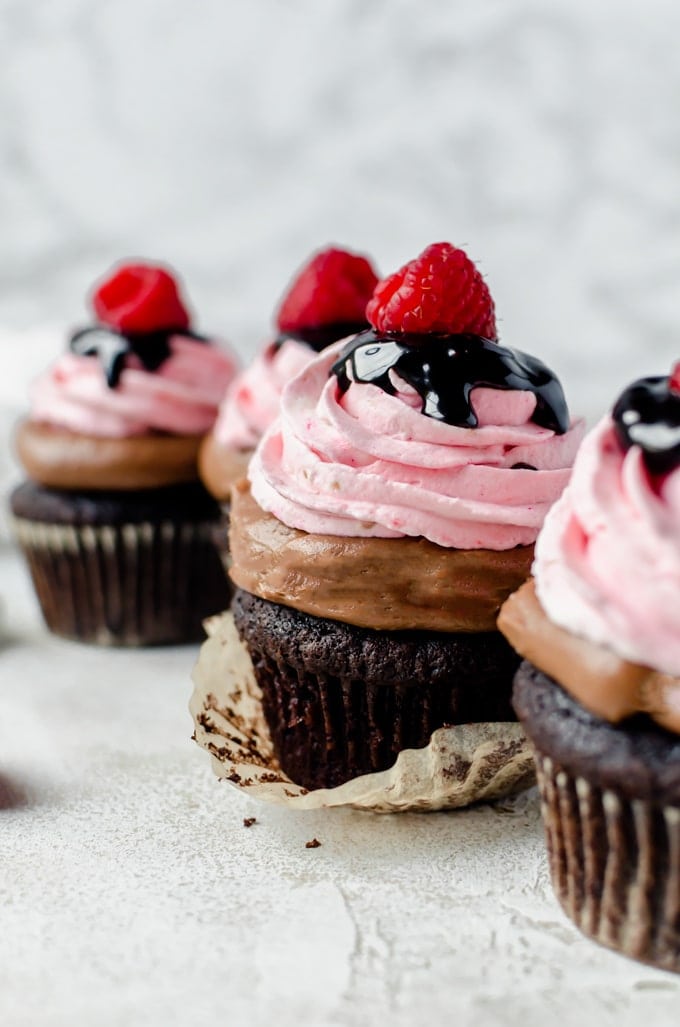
323	335
111	348
647	414
444	369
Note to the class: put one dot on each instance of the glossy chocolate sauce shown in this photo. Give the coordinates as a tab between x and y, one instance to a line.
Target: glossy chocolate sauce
323	335
444	369
111	347
647	414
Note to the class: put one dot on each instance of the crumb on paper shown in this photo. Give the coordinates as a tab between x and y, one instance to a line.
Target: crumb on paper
314	844
249	821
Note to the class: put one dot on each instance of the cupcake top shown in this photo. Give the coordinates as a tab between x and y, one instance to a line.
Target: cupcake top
326	301
423	425
607	566
127	404
140	369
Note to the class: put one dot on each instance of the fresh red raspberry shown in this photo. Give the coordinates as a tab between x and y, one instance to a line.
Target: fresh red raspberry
140	298
333	288
674	378
439	291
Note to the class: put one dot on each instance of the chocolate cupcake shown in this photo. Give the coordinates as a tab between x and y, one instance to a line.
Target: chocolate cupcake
325	302
391	510
113	520
599	691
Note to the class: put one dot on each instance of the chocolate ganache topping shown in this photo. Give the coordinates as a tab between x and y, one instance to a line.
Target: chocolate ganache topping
647	414
323	335
111	347
444	369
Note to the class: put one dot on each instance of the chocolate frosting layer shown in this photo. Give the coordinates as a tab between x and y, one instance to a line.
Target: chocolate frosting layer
61	459
220	467
386	584
605	684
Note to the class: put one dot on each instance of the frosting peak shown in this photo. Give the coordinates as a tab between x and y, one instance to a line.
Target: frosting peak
252	400
181	396
364	461
607	563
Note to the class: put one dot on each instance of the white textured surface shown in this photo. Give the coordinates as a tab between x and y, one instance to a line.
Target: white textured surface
131	893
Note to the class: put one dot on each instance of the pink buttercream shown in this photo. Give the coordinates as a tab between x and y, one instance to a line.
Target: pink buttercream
181	397
607	562
369	464
252	399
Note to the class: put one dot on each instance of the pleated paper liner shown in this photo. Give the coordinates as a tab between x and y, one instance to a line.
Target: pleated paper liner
615	865
124	584
461	765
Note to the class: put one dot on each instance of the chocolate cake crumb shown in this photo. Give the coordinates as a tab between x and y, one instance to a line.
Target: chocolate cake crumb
249	821
314	844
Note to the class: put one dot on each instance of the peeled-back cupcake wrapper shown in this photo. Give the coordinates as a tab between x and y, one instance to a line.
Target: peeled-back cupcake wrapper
461	765
615	865
129	584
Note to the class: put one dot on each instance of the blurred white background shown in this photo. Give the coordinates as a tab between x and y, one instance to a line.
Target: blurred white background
232	137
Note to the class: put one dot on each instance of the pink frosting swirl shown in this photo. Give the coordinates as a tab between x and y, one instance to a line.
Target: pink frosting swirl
252	399
181	397
607	563
365	463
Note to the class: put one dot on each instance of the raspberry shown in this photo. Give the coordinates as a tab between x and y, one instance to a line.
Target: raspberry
439	291
674	378
140	298
334	287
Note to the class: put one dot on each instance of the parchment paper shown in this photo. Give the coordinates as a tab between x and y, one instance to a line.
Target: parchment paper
461	765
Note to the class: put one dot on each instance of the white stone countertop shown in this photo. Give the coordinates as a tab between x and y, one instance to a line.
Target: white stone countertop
131	892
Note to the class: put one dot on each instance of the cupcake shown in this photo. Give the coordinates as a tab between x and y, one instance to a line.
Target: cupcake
599	689
113	520
325	302
389	512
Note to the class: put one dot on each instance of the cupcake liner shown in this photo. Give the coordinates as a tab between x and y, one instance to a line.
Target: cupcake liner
341	701
615	865
326	730
460	765
128	584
